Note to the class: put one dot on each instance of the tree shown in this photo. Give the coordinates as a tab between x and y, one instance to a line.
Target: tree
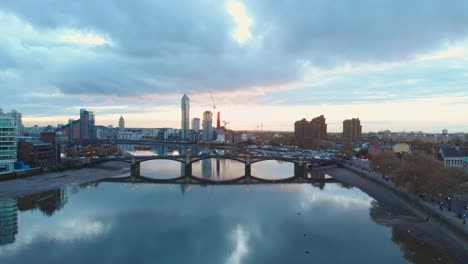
385	162
347	150
419	173
449	183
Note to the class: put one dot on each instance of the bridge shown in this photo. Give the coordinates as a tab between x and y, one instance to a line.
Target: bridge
300	163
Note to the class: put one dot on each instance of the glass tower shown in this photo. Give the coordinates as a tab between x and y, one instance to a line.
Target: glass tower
184	131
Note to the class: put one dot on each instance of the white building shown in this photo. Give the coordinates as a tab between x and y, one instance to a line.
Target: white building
247	136
130	135
454	157
8	144
121	124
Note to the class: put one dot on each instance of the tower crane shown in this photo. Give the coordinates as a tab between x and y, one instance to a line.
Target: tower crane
212	99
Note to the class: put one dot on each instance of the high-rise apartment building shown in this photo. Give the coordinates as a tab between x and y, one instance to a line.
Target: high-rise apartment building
81	129
312	133
196	124
121	124
218	121
8	144
352	129
87	122
184	131
207	126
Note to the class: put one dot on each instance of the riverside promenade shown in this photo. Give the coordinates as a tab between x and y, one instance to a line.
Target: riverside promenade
431	210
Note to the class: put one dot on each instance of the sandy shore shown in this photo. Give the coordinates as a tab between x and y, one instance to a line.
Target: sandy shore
49	181
393	211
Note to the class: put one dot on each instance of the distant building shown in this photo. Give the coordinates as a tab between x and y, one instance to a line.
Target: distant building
184	131
247	137
18	117
207	126
218	121
196	124
454	157
121	124
312	133
82	129
352	129
444	132
8	150
87	123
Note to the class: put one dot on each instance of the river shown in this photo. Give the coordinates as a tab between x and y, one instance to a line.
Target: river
103	222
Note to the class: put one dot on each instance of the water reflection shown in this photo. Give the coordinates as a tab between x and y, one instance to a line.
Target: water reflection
162	169
218	169
223	224
403	234
46	202
271	169
8	221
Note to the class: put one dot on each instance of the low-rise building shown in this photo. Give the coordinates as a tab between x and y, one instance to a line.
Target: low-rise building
454	157
37	153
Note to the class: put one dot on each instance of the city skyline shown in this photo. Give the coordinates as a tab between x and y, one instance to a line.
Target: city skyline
264	64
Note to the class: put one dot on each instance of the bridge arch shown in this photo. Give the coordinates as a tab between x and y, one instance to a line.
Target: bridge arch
256	160
178	159
218	157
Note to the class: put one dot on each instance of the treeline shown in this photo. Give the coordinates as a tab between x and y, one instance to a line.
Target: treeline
420	173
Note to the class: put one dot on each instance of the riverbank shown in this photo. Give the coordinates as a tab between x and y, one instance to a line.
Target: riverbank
49	181
398	212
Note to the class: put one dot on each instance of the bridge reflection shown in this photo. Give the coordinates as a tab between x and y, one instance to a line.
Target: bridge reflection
316	178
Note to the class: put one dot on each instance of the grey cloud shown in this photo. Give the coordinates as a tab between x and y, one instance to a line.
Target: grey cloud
186	45
327	32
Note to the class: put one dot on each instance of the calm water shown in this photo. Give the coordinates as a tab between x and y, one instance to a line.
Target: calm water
142	223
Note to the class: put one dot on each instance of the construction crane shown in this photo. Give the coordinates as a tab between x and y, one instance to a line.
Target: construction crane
225	123
212	99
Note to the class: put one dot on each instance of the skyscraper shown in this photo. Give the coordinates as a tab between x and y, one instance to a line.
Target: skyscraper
218	121
207	126
196	124
9	147
184	131
87	122
352	129
121	124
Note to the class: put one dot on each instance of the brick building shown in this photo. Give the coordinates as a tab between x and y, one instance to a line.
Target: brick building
310	134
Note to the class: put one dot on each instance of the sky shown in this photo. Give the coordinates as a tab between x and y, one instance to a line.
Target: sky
395	64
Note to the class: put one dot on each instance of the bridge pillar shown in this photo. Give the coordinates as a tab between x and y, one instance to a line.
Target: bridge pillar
187	169
248	168
135	169
299	170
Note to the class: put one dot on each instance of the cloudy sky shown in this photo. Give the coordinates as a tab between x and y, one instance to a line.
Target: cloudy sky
396	64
